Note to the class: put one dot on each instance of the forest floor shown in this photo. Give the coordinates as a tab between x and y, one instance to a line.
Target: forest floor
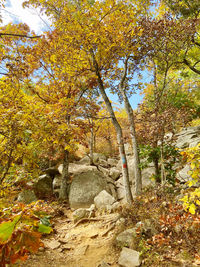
91	242
87	244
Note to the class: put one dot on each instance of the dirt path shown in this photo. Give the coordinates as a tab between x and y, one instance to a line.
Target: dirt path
87	244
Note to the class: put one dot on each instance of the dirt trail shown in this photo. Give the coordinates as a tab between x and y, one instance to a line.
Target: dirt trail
87	244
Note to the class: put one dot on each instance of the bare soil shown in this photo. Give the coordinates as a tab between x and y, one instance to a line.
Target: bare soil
86	244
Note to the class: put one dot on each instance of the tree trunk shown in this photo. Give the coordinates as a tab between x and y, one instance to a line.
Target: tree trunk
91	146
163	174
129	111
63	193
110	146
118	130
157	171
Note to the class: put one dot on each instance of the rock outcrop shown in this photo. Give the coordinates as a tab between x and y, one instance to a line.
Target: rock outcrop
84	187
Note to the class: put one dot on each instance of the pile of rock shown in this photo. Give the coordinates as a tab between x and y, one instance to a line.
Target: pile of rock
106	174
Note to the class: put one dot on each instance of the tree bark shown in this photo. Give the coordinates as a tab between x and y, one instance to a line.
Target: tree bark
91	145
63	193
129	111
118	130
157	171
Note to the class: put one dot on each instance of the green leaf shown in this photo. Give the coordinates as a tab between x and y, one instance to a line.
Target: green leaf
45	221
44	229
7	228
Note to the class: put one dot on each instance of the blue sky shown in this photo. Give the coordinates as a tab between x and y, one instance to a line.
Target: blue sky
15	13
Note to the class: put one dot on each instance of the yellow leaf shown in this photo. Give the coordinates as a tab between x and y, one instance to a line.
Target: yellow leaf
192	209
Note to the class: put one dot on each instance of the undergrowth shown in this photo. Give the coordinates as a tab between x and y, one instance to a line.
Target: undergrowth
174	233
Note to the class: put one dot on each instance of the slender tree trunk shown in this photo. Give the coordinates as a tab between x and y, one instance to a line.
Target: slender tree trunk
63	193
163	174
157	171
110	146
129	111
91	145
118	129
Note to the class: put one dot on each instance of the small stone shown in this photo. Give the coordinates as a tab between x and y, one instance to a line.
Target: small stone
80	214
104	264
53	244
129	258
81	250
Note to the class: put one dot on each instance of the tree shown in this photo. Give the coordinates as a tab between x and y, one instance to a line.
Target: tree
92	33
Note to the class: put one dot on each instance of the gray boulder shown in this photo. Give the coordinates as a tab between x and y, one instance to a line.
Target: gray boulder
97	157
85	187
57	182
44	186
129	258
188	137
183	175
126	238
103	199
27	197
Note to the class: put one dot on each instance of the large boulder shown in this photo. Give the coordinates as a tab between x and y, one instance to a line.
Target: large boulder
44	186
75	168
27	196
146	175
84	187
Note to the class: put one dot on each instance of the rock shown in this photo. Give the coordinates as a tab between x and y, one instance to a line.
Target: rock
57	182
44	186
80	168
146	175
147	227
60	168
120	189
115	206
183	175
104	264
188	137
126	238
81	250
129	258
97	157
52	244
112	162
104	170
103	163
85	187
52	171
27	196
103	199
114	173
80	214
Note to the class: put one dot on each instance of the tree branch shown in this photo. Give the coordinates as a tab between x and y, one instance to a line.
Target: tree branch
19	35
186	62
